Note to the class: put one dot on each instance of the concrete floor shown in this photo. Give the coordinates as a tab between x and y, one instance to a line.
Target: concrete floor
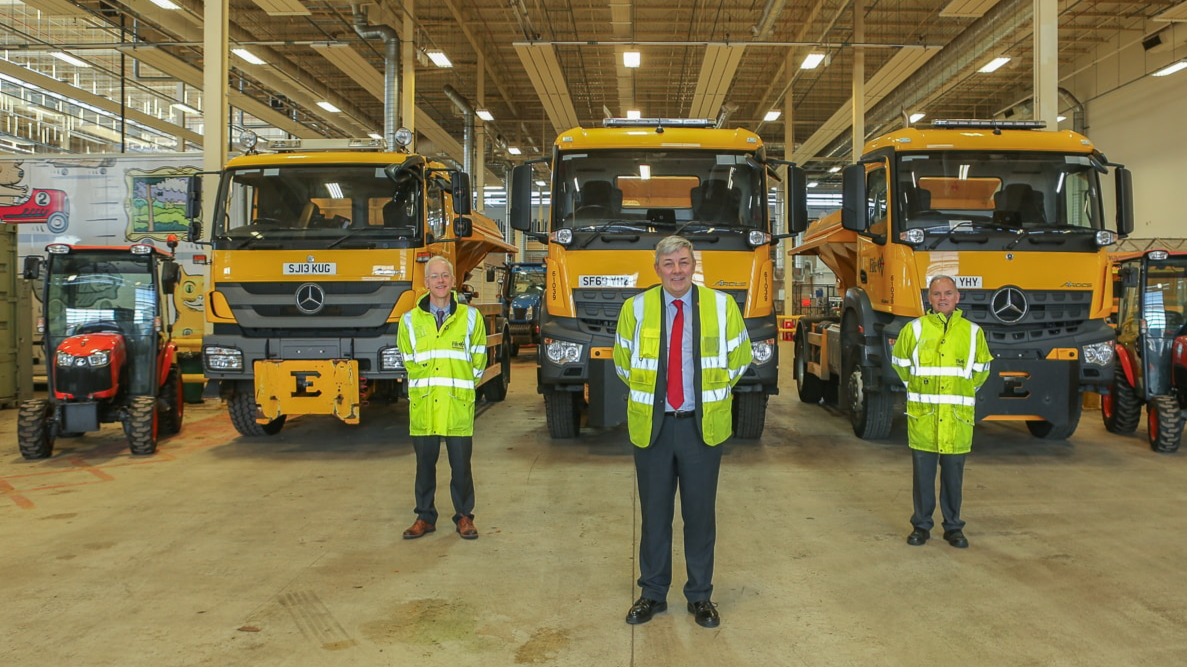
225	551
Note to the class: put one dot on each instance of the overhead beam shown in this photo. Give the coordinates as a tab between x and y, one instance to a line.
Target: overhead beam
544	70
717	73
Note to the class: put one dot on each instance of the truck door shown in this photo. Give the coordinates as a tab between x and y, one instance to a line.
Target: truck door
871	245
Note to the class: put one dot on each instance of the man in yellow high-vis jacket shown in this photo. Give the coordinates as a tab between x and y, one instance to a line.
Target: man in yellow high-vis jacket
443	343
680	349
943	359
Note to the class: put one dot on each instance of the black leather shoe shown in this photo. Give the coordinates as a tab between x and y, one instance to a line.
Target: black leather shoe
706	613
956	538
644	609
918	537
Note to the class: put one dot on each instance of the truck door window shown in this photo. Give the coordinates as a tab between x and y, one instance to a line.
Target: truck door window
876	200
435	208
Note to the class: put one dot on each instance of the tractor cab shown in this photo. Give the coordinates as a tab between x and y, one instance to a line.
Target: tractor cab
107	329
1151	348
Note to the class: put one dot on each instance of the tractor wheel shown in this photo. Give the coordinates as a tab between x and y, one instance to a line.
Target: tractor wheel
496	389
142	425
242	408
1121	409
1165	421
811	387
514	349
1047	431
35	435
750	414
562	410
172	402
870	413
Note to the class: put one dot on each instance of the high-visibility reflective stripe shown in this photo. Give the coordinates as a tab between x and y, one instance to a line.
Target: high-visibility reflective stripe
977	368
917	328
637	307
441	382
478	349
973	329
647	365
472	316
940	371
713	362
901	361
942	399
407	322
736	342
439	354
714	395
642	397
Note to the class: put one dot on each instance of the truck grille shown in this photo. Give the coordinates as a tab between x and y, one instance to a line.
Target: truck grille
347	305
1049	314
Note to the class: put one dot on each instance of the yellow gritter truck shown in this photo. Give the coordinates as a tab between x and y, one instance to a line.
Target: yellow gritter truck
1013	213
616	191
319	248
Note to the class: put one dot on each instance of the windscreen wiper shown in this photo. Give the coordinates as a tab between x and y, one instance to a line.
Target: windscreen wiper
597	231
995	226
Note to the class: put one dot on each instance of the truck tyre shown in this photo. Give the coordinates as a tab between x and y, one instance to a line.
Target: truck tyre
562	410
1120	410
1165	422
242	408
496	389
35	435
142	425
1047	431
810	387
750	414
870	413
172	402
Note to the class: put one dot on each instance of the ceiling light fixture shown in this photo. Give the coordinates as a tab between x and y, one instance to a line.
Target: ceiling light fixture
1171	69
916	117
484	115
812	61
514	150
438	57
631	59
994	65
833	169
185	108
374	135
329	107
165	4
772	115
813	184
66	57
634	113
248	56
1060	119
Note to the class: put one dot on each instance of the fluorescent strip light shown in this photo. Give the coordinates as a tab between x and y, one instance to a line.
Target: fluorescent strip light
514	150
484	115
634	113
833	170
1060	119
335	190
813	184
165	4
329	107
185	108
772	115
248	56
812	61
645	172
631	58
1171	69
66	57
540	184
916	117
374	135
439	58
994	64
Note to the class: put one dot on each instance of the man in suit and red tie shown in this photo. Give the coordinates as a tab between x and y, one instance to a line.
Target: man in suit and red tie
680	349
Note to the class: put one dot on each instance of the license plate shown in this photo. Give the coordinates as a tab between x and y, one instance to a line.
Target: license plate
606	281
310	268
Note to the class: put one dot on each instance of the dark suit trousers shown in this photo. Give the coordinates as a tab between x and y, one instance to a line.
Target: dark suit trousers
461	484
951	466
679	460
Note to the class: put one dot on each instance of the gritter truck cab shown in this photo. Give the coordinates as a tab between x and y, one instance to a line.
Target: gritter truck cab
1013	213
319	248
616	191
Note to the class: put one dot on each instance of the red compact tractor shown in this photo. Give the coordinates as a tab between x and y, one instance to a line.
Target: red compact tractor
1151	350
107	329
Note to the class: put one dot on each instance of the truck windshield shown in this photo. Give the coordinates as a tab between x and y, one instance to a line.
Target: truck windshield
1165	298
658	188
1008	191
321	204
87	290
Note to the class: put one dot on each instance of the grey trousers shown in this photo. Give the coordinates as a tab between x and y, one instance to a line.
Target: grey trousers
461	483
951	468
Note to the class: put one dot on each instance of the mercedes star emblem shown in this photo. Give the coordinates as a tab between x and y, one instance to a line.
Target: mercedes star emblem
311	298
1009	305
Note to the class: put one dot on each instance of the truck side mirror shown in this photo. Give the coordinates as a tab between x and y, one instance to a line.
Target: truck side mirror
463	227
194	232
490	275
797	200
193	198
520	214
33	267
170	276
1124	201
460	182
855	211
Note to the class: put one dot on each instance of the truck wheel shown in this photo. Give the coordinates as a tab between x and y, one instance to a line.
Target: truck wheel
562	410
1047	431
242	408
1165	421
750	414
34	432
811	388
496	389
871	414
172	401
142	425
1121	409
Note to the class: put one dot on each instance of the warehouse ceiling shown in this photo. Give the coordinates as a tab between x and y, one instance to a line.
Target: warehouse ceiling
542	66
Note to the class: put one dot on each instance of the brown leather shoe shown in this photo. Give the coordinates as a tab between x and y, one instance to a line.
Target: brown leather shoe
419	529
465	528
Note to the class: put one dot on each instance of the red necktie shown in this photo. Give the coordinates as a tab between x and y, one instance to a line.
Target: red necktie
676	359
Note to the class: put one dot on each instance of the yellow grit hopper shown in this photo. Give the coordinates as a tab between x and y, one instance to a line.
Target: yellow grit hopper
615	192
1015	216
318	251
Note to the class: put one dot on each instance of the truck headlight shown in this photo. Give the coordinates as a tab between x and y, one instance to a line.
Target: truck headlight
764	351
1100	354
65	359
99	358
562	352
223	358
391	359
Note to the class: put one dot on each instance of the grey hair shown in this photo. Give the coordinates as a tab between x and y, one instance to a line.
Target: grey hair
439	258
669	245
942	277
